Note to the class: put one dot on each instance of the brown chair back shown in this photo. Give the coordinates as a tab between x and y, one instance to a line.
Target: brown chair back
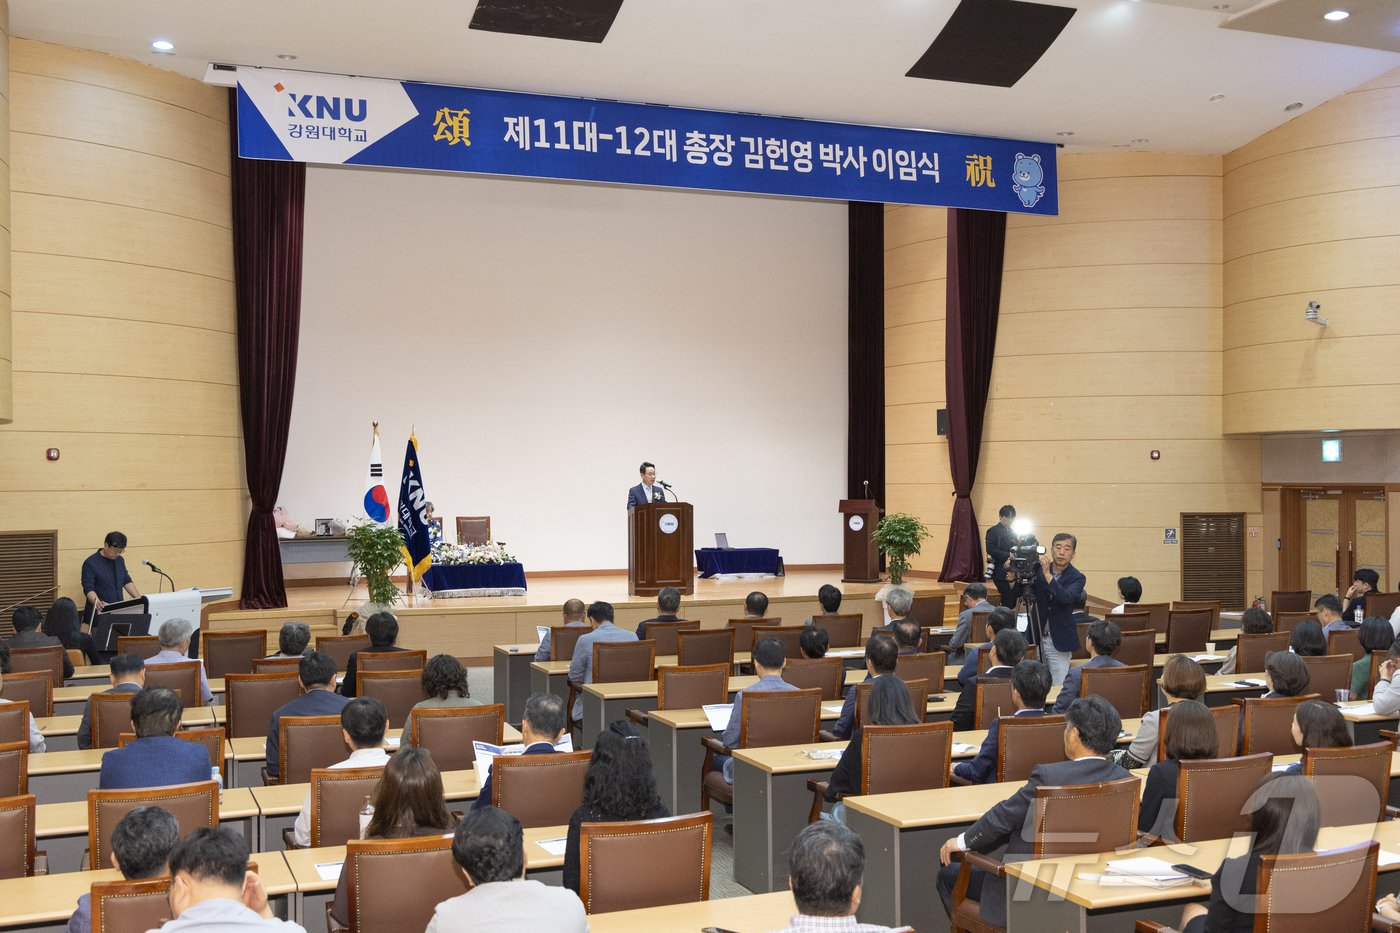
1289	886
1227	730
928	610
787	635
1086	818
1188	630
1377	659
918	696
1288	621
306	743
1346	641
232	652
712	646
1353	784
110	716
193	806
825	674
563	638
1328	674
1290	601
675	851
1157	615
1130	620
1382	604
130	906
1211	793
1128	687
14	768
180	676
17	816
390	661
743	630
664	634
1082	649
275	665
212	740
899	758
399	691
1180	605
1027	741
618	661
146	646
337	797
251	699
1268	724
692	687
782	717
396	884
993	700
14	721
1251	650
1137	647
473	529
928	666
34	687
48	659
340	647
984	656
539	790
450	731
842	631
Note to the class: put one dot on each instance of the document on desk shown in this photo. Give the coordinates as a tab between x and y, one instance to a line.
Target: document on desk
1203	658
718	715
486	753
329	871
823	754
1386	859
541	631
554	846
1359	711
1243	684
1149	872
833	708
962	748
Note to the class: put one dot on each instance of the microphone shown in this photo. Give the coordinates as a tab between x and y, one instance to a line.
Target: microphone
162	573
867	487
664	484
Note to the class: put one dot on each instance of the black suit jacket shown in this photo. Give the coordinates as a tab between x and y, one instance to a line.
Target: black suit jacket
33	638
965	710
348	686
999	542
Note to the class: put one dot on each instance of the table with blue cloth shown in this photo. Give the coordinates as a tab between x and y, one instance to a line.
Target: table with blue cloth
448	581
714	561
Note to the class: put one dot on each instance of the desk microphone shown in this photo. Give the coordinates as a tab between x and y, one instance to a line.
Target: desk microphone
162	573
667	486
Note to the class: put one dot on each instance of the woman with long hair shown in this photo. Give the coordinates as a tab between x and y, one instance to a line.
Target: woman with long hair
408	801
62	623
890	705
1182	679
1190	736
619	786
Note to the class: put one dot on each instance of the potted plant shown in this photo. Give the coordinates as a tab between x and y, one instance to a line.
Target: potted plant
376	550
899	536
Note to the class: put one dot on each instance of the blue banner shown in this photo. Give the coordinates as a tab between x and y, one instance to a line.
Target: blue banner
413	513
339	120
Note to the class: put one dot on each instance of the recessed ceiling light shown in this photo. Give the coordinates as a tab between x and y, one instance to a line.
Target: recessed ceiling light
163	46
1139	142
1121	146
1296	105
1216	98
1221	7
1065	133
1335	16
287	58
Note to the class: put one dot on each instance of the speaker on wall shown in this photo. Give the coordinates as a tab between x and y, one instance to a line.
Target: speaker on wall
942	422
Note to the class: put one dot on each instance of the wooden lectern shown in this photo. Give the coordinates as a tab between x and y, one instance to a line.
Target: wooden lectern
660	548
858	516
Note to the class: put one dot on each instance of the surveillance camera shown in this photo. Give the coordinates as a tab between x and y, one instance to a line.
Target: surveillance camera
1311	314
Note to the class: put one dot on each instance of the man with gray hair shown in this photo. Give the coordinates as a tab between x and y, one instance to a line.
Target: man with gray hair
898	601
174	636
826	869
292	640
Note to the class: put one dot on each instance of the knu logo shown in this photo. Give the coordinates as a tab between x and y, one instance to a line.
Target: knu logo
1026	176
316	107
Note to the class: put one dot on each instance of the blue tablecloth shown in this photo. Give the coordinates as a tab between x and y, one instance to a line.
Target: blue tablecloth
451	580
712	560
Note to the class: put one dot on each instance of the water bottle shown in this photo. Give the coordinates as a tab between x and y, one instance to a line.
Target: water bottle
366	814
1356	614
216	775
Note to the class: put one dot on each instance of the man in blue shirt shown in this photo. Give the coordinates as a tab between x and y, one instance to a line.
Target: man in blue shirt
600	616
768	663
104	575
1030	683
316	671
156	758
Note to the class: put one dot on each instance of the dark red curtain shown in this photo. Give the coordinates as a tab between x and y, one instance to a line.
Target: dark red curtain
268	198
865	343
976	243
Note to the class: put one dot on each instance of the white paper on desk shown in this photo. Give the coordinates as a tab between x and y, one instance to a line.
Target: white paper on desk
962	748
1146	870
833	707
823	754
1365	709
718	715
1242	684
1207	657
392	741
1387	859
541	631
329	871
486	753
1283	767
845	653
553	846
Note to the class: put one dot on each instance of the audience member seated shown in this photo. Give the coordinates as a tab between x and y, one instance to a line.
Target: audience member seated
1191	736
600	616
1387	695
619	786
1363	581
1001	619
445	684
316	671
974	599
1284	818
1375	635
141	845
36	738
756	605
542	726
1285	675
1329	614
29	633
898	601
1318	725
211	888
1081	614
383	631
1008	650
826	869
156	758
890	705
573	617
830	599
292	640
174	638
362	724
62	622
1309	640
881	655
813	642
668	603
1130	591
128	675
1253	622
1091	731
1104	639
768	663
489	849
1182	679
408	801
1030	684
907	636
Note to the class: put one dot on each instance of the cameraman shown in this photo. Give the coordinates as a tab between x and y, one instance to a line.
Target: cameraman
1000	539
1058	588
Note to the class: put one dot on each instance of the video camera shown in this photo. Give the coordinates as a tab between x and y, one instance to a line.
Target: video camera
1025	558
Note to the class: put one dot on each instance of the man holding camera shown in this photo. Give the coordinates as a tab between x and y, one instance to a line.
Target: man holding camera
1058	588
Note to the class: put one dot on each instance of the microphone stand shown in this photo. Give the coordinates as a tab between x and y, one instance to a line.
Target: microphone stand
667	488
161	584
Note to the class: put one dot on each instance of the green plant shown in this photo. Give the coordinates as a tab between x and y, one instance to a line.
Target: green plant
376	550
899	536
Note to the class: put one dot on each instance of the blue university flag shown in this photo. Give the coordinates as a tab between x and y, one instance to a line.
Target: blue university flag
413	518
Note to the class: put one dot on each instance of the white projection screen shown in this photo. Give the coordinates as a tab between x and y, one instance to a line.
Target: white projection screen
545	338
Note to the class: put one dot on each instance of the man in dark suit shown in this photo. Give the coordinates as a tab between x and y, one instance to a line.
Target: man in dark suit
128	675
1058	587
881	655
1000	540
1104	639
1001	619
668	603
648	490
383	631
542	726
156	758
907	636
1091	729
316	671
29	633
1030	683
1008	649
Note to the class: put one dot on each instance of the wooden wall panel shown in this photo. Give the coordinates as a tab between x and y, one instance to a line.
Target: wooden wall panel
920	301
124	351
6	342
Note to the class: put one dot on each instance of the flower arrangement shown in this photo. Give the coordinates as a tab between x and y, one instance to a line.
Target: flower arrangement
451	554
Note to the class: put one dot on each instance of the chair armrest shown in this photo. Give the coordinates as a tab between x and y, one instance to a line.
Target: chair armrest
638	717
1384	924
715	745
41	862
984	862
1390	735
1151	926
827	736
269	780
1392	813
958	779
818	789
287	839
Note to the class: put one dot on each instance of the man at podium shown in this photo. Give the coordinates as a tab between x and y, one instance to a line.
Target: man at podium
648	490
105	576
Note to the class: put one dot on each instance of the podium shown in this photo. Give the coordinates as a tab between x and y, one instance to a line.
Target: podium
862	557
144	615
660	548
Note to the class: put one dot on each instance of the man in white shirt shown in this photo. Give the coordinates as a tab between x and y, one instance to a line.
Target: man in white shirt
212	890
36	738
362	725
826	871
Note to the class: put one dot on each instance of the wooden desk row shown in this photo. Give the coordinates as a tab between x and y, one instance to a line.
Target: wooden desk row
69	701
